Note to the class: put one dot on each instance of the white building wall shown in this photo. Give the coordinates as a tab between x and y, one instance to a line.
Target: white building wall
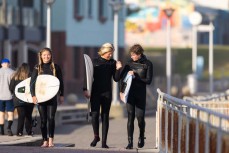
59	15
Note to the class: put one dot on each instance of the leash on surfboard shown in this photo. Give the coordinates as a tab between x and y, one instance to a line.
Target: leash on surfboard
34	121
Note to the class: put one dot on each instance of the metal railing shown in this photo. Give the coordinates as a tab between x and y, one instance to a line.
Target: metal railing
183	127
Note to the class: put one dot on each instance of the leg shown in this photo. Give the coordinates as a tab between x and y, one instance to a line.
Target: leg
28	119
105	104
51	122
130	124
95	109
43	116
21	119
10	114
2	116
140	113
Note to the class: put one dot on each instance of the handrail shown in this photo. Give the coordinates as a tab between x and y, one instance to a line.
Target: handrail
182	126
182	102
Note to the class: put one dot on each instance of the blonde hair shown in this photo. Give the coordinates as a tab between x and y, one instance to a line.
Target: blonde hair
22	72
107	47
40	62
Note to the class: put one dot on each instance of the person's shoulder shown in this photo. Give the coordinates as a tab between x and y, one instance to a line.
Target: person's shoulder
112	60
57	66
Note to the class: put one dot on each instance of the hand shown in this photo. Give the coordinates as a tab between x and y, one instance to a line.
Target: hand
118	65
34	100
86	94
131	73
61	100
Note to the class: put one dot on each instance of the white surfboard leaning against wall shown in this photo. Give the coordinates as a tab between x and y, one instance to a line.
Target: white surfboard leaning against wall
46	88
89	76
124	95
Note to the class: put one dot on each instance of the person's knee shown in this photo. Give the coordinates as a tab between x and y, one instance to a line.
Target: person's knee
10	115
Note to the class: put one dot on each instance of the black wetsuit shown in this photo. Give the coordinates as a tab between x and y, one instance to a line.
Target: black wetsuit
101	94
136	102
47	109
24	111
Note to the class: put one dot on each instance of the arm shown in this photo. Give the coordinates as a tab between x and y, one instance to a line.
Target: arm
117	71
33	81
12	86
61	90
60	77
32	84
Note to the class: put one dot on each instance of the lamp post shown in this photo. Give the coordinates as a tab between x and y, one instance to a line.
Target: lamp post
116	6
168	12
48	26
211	60
195	19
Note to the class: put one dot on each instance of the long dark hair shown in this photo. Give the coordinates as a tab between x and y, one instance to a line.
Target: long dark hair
22	72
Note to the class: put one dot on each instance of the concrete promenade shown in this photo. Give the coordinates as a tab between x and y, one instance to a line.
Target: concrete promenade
78	136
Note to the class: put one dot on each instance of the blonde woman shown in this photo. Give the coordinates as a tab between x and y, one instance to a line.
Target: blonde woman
24	109
47	109
104	69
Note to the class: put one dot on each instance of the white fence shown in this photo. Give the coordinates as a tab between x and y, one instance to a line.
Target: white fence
183	127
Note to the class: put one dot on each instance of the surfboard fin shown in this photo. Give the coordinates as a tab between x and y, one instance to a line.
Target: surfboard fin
21	89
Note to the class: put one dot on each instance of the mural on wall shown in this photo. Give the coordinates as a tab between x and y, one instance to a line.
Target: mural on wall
148	23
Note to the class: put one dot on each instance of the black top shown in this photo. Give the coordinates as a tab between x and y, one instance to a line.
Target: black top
103	72
46	68
17	102
143	72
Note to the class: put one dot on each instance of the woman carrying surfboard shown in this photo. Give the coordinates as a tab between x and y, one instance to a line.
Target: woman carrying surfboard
47	109
142	71
101	95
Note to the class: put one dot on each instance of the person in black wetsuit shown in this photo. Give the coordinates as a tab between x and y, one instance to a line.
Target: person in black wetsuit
101	94
142	71
24	109
47	109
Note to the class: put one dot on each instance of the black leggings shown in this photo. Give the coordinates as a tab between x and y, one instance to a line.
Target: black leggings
140	114
24	117
47	113
105	104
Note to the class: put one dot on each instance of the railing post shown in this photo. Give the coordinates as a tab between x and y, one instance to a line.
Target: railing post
187	131
219	136
179	129
207	134
158	120
172	130
197	132
166	127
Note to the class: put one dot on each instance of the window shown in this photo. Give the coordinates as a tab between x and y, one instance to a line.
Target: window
90	11
26	3
76	62
78	9
103	10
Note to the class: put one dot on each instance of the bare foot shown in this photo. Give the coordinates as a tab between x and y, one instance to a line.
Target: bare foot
45	144
50	142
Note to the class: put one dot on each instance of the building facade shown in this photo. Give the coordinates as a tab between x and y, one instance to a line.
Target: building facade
22	31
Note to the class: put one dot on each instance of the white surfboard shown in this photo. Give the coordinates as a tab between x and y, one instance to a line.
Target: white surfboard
89	77
124	95
46	88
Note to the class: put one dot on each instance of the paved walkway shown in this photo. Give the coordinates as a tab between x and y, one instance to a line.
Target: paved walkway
80	135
